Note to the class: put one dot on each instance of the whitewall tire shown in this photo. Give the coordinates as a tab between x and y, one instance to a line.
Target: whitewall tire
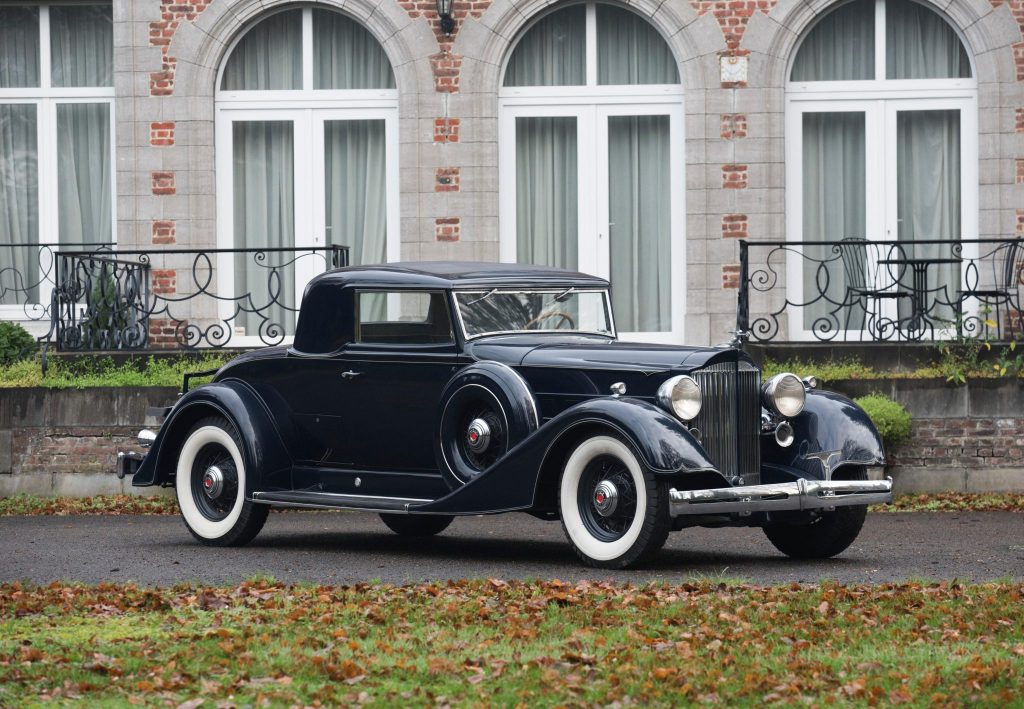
210	482
614	512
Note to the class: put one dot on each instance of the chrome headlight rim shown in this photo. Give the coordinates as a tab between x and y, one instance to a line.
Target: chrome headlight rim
681	396
784	394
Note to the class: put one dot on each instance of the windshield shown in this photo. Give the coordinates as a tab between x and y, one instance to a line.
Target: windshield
562	310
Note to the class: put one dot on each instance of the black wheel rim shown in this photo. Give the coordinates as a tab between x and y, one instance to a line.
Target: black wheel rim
219	507
488	412
607	468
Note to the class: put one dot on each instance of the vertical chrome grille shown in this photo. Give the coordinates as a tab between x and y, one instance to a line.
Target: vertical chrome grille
730	418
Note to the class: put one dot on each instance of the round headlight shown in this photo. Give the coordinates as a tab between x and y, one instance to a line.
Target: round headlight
784	394
681	396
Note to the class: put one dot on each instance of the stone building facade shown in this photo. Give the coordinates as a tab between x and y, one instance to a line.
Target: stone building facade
451	118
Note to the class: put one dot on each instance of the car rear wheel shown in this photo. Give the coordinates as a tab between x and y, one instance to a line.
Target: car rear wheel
416	525
824	536
614	512
210	485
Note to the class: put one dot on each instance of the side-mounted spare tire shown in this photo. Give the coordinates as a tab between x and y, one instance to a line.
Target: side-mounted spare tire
486	409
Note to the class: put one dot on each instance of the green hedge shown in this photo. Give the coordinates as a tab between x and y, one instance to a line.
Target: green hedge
890	418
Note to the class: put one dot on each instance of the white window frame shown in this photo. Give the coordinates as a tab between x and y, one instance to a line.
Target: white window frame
591	105
46	98
879	100
308	109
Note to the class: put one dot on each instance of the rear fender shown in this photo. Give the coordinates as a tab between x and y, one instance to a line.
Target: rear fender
830	432
664	445
266	457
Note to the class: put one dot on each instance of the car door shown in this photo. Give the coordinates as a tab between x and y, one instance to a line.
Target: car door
391	381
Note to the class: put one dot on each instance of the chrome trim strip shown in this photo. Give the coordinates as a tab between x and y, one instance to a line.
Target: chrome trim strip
799	495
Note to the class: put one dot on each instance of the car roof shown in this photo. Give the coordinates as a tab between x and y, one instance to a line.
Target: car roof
458	274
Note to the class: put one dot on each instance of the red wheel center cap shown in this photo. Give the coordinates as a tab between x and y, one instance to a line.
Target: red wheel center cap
207	482
600	498
473	436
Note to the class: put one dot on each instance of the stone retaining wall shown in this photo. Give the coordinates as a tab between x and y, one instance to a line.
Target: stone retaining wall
65	442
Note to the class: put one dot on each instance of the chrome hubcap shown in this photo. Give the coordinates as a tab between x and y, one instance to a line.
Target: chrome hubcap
213	482
478	435
606	498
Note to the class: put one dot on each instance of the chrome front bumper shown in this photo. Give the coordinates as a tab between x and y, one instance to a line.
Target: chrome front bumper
799	495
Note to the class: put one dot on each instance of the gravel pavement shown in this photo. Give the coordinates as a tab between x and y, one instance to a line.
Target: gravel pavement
345	547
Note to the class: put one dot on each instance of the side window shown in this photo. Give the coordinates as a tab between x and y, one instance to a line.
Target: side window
403	318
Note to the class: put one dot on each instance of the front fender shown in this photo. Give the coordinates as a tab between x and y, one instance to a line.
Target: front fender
665	447
830	432
266	458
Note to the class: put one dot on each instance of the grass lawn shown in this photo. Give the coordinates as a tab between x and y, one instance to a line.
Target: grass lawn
511	643
165	505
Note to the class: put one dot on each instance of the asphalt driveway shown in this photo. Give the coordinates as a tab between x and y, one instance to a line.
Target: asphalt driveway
344	547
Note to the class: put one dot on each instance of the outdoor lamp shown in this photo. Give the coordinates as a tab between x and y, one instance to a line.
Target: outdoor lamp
444	12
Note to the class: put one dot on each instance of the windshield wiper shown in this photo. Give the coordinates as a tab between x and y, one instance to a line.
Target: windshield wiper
564	295
485	296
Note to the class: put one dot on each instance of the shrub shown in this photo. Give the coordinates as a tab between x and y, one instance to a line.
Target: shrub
890	418
15	343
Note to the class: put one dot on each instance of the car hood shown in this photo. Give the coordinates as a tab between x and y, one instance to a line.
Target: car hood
597	353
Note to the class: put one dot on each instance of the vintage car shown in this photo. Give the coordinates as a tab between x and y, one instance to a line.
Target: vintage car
423	391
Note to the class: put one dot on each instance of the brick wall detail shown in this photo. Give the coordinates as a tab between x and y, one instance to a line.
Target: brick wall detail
734	177
1019	178
734	126
1017	10
161	134
731	275
78	449
447	228
970	443
164	281
163	183
1020	120
165	231
446	65
163	332
447	179
161	32
732	16
734	226
1020	222
446	130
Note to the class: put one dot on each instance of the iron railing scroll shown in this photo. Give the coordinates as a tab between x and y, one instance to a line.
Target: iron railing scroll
181	298
860	290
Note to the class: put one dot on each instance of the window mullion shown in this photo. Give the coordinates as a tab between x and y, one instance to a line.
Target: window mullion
880	59
307	49
45	76
591	44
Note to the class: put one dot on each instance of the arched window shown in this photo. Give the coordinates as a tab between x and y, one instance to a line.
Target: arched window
56	141
592	159
307	137
881	133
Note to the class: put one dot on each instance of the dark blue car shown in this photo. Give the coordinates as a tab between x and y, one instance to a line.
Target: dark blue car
424	391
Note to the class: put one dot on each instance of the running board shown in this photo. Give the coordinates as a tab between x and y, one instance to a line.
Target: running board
337	501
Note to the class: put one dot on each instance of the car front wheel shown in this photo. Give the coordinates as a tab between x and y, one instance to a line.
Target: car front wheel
823	536
614	512
210	485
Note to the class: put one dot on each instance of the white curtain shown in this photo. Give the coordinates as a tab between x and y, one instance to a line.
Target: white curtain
82	45
547	205
19	204
928	196
552	52
355	188
630	50
83	173
264	216
841	47
346	55
834	209
19	47
640	212
921	45
268	57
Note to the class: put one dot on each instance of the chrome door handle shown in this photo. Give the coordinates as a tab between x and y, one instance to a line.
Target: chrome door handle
350	374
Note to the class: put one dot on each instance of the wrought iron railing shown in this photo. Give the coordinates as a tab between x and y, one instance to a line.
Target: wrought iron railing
859	290
181	298
28	276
